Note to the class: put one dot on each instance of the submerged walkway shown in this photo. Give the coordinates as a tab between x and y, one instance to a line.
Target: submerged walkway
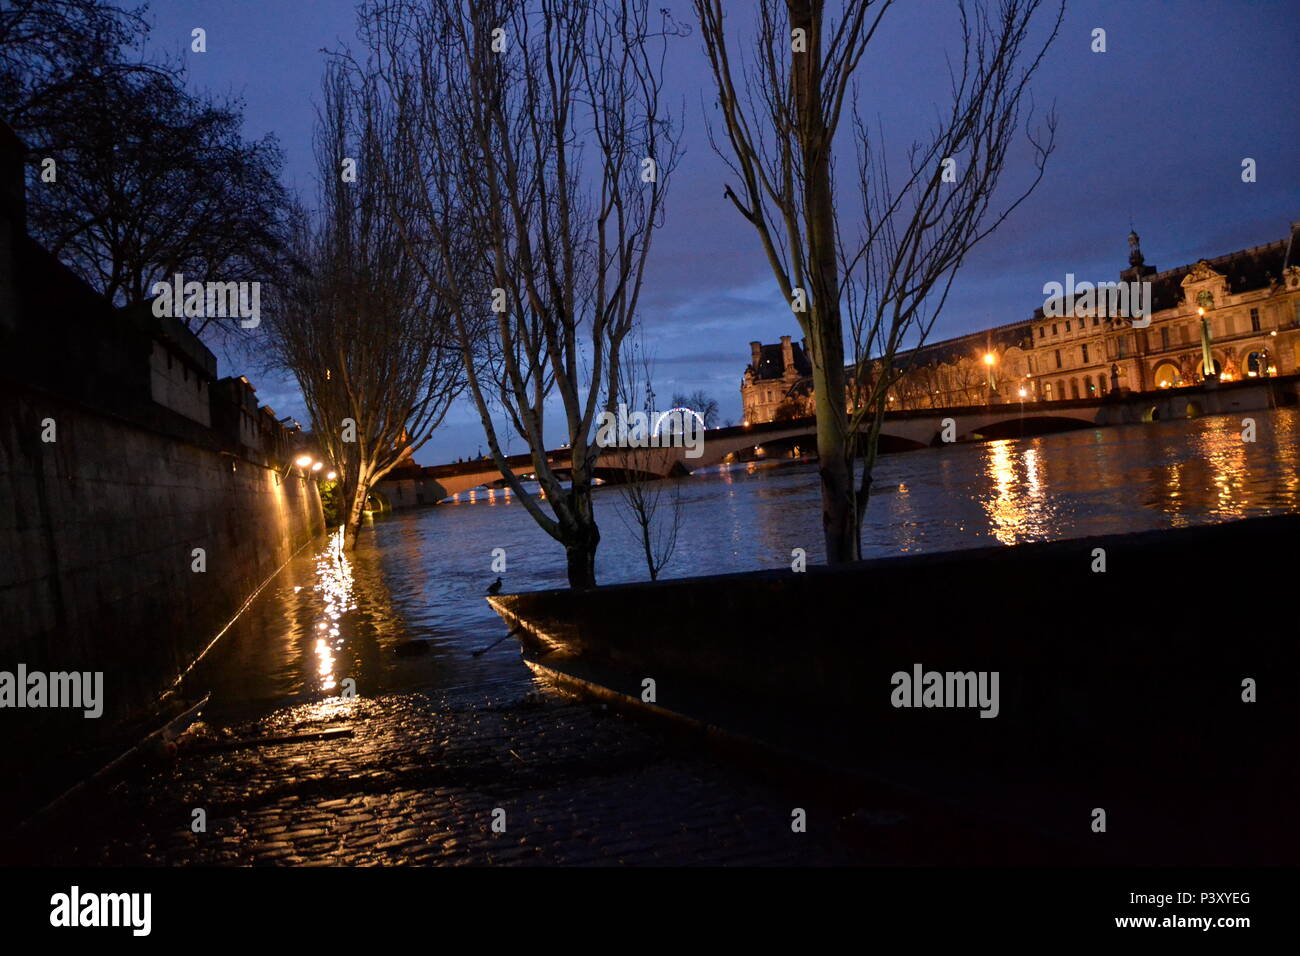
414	779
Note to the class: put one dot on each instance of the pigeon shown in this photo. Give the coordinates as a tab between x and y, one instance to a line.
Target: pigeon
494	587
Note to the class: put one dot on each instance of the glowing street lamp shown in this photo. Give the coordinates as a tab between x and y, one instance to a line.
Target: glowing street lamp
1207	358
302	461
331	476
318	466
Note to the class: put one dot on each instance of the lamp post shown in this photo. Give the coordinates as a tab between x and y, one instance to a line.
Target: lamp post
989	359
1207	358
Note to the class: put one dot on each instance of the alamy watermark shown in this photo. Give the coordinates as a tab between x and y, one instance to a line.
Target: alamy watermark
1114	300
179	299
75	909
922	688
675	428
73	689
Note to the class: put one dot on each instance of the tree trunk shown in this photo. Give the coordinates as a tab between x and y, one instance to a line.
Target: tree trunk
359	492
580	553
835	463
835	448
581	537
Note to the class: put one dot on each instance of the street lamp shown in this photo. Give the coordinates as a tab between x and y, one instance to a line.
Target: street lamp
1207	358
331	476
302	461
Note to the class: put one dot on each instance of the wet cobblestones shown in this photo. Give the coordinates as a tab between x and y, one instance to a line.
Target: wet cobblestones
417	782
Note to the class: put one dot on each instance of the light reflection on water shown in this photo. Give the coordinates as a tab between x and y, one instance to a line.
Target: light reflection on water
421	575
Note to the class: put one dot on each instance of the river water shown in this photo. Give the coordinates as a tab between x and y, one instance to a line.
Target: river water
421	575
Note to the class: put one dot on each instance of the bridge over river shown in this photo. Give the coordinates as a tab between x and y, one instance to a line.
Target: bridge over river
901	431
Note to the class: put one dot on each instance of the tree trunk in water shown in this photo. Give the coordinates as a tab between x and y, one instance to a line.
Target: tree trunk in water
580	553
356	507
581	539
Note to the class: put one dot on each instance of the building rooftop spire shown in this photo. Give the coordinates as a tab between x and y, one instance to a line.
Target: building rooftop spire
1135	258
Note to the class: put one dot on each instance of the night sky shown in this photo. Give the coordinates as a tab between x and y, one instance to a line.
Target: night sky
1152	131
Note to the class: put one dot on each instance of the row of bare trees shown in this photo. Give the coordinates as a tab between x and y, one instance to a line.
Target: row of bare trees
367	336
512	161
526	156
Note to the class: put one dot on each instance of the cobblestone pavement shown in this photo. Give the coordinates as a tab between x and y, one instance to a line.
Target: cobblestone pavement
415	779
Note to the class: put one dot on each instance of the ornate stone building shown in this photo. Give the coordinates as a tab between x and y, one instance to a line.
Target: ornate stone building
1250	326
1251	303
778	378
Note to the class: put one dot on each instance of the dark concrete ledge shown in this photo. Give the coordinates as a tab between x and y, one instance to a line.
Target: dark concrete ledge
1119	689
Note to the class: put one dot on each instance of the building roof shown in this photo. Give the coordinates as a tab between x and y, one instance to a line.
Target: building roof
1245	271
771	362
947	351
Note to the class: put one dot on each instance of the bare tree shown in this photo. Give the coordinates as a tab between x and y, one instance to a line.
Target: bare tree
652	506
891	275
51	49
539	124
700	402
148	179
368	339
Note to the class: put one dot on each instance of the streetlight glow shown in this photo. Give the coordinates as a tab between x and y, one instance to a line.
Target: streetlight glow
988	358
302	461
318	466
331	476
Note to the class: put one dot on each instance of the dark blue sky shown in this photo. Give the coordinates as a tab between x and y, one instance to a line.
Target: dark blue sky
1154	129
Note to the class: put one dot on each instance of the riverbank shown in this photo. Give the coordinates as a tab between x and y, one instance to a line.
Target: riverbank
1160	687
416	779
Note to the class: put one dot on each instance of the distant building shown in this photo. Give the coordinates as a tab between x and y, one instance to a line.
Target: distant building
1251	300
1252	303
777	375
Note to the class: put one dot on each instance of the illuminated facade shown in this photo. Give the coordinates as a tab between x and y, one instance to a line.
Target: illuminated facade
1251	303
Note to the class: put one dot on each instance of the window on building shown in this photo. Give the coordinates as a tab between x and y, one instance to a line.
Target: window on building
1297	312
1058	358
1032	369
1042	330
1164	337
1096	320
1074	388
1067	325
1101	384
1123	346
1184	334
1060	389
1254	320
1085	353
